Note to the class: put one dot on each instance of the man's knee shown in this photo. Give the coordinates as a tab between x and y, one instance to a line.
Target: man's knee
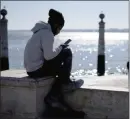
67	52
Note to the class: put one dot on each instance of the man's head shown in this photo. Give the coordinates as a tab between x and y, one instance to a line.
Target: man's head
56	20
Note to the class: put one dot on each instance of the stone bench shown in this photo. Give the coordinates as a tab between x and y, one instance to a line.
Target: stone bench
103	97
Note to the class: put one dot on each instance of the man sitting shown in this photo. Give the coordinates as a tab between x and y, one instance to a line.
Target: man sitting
40	59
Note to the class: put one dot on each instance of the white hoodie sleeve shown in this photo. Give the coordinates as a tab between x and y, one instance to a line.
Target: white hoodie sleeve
47	40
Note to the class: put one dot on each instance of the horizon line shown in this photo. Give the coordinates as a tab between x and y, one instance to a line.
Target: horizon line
82	29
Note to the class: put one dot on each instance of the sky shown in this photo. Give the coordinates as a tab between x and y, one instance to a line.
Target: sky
22	15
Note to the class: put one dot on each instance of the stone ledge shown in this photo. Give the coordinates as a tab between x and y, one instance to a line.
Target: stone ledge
19	78
110	82
25	82
99	97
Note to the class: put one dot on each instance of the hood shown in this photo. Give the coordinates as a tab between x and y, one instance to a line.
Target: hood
40	25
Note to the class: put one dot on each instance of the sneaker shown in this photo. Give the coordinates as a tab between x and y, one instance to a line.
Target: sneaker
77	114
72	85
56	113
53	102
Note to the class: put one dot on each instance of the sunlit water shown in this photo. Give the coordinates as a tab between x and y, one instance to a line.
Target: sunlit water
84	47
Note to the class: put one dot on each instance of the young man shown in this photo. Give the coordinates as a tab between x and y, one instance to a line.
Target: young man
40	59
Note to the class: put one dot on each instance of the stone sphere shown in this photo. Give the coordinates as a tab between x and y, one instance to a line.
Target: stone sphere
3	12
101	16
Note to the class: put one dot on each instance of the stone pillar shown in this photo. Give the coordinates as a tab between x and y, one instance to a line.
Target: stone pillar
128	65
4	60
101	48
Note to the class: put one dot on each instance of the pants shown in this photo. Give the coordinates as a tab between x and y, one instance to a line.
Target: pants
59	67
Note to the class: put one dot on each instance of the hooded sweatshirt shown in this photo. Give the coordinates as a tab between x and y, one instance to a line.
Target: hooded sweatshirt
40	47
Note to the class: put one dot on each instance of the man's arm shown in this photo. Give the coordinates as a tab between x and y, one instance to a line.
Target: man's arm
47	40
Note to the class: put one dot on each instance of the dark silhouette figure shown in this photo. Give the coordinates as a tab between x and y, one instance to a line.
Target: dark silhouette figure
41	60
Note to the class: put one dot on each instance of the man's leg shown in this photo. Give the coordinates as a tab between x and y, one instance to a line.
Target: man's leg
60	66
65	69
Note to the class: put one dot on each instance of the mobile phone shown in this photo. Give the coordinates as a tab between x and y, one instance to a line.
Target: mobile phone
68	41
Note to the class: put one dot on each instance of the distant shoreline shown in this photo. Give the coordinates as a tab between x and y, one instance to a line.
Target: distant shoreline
85	30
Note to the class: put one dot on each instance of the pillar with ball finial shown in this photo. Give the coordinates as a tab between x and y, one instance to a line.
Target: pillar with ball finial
4	60
101	47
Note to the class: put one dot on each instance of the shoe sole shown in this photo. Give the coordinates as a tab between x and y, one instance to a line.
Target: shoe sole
72	90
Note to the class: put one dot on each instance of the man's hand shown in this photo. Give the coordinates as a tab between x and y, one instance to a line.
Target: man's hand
64	46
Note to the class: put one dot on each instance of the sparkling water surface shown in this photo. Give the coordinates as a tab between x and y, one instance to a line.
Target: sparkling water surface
84	46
